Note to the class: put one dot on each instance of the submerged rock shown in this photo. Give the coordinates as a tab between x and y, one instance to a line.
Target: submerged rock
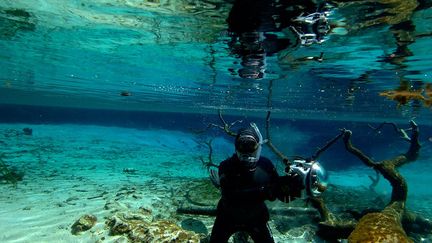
379	227
139	229
162	231
130	170
194	225
84	223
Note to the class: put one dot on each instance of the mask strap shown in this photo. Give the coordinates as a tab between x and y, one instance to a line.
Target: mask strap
257	131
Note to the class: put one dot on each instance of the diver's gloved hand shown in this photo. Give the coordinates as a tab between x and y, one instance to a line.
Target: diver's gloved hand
268	192
290	187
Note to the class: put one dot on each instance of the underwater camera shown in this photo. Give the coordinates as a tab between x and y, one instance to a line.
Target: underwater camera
313	176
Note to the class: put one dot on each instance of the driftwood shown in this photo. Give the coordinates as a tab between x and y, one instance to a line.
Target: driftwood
387	224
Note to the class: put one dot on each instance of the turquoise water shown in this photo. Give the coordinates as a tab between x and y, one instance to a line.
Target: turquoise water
119	95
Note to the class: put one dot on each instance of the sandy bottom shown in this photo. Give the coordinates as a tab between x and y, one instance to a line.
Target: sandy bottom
72	170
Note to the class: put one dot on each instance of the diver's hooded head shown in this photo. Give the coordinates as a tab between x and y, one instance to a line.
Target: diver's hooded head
248	145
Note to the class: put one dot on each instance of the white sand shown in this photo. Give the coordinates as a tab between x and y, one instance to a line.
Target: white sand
73	170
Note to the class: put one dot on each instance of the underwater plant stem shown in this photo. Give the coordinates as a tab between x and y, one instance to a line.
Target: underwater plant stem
209	163
225	126
374	181
6	173
325	213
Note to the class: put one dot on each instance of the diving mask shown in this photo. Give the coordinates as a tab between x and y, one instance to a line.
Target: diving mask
248	145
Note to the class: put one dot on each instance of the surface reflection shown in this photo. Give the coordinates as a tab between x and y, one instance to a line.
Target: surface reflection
13	20
411	92
261	28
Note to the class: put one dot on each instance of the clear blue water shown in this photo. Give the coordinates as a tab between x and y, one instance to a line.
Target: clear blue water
173	65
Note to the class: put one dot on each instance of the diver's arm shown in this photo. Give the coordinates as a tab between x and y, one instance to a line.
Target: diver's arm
231	191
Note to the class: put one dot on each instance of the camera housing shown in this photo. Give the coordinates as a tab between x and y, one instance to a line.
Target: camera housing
313	176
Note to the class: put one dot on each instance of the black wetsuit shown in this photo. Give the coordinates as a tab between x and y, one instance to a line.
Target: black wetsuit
242	206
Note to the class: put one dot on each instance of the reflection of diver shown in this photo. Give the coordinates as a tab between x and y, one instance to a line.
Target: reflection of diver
247	179
261	28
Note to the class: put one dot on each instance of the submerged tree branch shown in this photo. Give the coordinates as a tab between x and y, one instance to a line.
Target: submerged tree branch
209	163
387	224
402	133
225	126
326	146
374	181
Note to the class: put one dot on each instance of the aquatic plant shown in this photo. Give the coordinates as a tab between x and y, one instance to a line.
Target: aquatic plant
209	162
9	175
428	93
225	126
403	94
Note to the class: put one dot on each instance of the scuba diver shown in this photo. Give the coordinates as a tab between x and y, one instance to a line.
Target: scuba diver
247	180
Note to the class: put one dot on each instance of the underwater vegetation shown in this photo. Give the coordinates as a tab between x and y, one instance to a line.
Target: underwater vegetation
9	174
404	94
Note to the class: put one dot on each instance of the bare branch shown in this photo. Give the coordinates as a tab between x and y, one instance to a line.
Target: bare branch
402	133
348	145
328	144
209	163
374	181
225	126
